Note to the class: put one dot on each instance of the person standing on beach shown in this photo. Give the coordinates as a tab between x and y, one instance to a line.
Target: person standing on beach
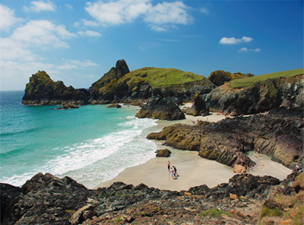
175	171
172	173
169	166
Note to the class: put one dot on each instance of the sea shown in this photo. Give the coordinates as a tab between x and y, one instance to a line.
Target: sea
91	144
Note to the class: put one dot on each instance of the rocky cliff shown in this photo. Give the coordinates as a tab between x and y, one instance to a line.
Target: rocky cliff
147	83
121	85
278	134
46	199
260	97
42	90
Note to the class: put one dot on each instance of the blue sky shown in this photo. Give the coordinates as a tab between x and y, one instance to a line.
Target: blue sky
78	41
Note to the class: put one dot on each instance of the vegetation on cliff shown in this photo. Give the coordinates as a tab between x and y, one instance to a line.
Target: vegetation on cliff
246	82
160	77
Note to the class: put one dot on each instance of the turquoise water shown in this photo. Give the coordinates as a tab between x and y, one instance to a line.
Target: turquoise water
91	144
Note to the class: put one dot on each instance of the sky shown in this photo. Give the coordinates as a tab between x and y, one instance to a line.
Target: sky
78	41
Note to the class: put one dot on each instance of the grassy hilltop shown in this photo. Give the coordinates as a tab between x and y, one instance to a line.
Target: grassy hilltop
160	77
246	82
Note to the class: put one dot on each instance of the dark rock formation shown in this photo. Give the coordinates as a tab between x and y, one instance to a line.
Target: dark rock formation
68	106
104	90
278	134
46	199
163	153
161	109
10	195
219	77
114	105
260	97
42	90
198	108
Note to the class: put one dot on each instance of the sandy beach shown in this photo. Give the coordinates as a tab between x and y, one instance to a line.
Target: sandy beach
192	169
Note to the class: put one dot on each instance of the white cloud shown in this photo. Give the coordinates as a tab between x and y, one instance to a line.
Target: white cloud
39	6
89	33
116	12
249	50
246	39
204	10
39	34
73	64
14	75
173	12
42	33
90	23
234	41
69	6
7	18
243	49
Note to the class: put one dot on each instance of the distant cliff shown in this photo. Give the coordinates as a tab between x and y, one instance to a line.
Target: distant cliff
42	90
119	85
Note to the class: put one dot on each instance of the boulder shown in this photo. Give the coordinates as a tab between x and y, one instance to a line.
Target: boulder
114	105
161	109
163	153
198	108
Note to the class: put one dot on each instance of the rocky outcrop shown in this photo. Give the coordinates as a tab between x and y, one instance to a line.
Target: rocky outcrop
278	134
198	108
114	105
104	90
161	109
163	153
42	90
46	199
260	97
68	106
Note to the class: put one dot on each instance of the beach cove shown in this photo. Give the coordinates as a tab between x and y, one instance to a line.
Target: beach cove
191	168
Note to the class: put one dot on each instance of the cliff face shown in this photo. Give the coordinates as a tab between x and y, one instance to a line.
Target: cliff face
119	84
260	97
42	90
104	90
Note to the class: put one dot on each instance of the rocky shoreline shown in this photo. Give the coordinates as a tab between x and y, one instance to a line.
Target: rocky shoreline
46	199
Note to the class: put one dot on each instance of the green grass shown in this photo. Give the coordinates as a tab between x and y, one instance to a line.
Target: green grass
215	212
158	77
246	82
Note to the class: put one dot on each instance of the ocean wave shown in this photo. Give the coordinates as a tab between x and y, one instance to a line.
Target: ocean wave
93	161
17	132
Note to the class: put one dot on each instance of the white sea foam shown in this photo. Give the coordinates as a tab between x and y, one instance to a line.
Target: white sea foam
97	160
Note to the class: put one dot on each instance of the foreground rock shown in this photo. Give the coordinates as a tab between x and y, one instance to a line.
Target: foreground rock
163	153
278	134
161	109
46	199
